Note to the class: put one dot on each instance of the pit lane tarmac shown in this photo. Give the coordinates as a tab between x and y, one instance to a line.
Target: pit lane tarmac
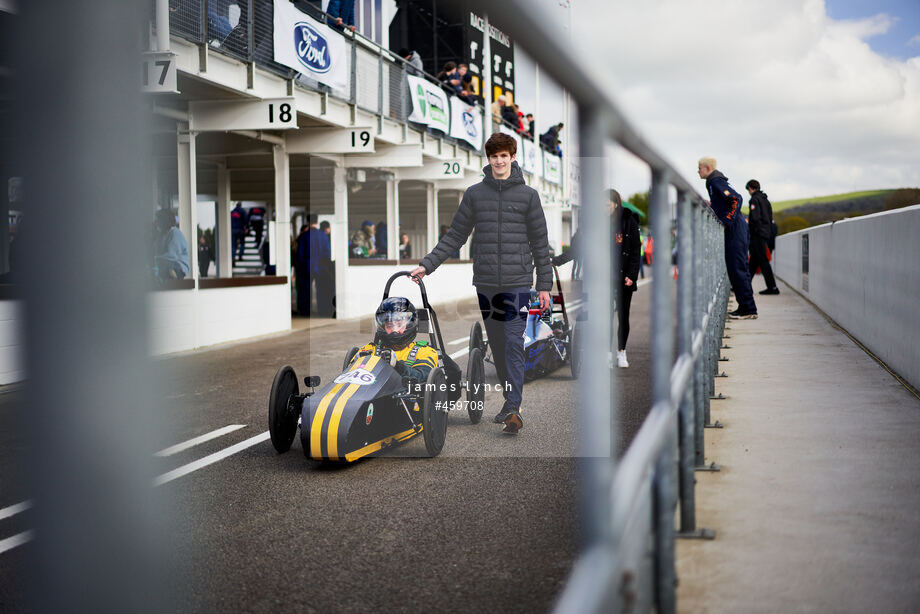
490	525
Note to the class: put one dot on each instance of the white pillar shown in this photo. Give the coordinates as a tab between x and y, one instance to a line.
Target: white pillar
431	194
282	238
340	234
188	195
393	219
224	256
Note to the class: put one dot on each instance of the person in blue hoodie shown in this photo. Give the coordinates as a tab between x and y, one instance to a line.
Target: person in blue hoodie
726	204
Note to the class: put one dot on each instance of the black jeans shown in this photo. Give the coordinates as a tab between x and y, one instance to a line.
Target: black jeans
505	323
759	259
624	299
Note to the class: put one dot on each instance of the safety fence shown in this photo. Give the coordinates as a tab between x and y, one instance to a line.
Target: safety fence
628	506
377	79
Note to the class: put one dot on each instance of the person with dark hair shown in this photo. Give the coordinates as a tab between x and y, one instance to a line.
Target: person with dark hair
450	79
321	269
550	139
466	84
726	204
171	248
509	115
760	226
239	228
257	222
380	238
302	266
509	242
531	125
405	247
362	241
204	256
624	240
413	60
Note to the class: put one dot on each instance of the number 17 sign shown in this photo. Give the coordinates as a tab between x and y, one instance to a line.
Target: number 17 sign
158	73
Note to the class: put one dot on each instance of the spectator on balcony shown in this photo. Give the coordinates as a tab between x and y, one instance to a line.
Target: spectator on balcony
509	115
531	125
171	248
450	79
405	247
341	14
550	139
497	107
466	82
413	60
362	241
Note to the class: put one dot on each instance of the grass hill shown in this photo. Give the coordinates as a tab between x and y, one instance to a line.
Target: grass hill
792	215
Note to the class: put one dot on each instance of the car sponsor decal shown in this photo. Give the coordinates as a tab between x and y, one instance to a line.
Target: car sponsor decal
332	433
370	414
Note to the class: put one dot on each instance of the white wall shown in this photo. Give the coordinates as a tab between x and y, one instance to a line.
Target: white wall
865	274
11	358
187	319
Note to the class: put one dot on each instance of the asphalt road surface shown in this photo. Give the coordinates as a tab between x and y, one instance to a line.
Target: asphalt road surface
489	525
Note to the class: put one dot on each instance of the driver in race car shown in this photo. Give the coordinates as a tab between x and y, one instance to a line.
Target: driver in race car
397	326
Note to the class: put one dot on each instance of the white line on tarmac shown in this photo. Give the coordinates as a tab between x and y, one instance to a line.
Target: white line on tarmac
460	353
185	445
17	540
210	459
14	509
456	341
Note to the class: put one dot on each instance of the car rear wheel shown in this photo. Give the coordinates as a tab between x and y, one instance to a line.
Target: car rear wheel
475	382
434	412
282	414
576	350
475	336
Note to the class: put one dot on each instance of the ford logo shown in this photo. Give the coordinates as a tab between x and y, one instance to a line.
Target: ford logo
469	123
312	48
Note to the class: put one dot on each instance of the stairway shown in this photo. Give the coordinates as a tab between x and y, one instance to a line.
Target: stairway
251	263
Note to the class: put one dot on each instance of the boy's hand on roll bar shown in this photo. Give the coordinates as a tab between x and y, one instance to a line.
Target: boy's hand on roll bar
417	273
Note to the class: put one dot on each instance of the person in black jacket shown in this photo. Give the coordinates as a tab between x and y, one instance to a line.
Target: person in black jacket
726	204
760	225
624	230
509	242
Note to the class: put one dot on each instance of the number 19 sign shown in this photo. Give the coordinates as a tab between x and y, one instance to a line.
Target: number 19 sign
265	114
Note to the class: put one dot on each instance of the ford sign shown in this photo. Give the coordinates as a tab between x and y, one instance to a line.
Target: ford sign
312	48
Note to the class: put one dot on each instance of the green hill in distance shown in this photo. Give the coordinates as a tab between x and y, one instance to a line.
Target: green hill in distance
792	215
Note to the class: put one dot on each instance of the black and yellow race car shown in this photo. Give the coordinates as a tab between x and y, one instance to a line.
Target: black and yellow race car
370	407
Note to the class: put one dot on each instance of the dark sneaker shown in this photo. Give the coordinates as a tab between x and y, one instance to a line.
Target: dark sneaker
735	313
769	291
513	423
501	416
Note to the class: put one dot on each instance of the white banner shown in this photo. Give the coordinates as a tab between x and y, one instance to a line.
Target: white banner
530	160
310	47
552	167
429	104
466	122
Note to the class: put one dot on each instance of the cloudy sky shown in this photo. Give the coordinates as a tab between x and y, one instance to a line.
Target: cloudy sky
810	97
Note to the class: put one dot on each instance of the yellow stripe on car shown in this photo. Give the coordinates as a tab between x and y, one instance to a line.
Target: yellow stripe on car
316	428
332	433
368	449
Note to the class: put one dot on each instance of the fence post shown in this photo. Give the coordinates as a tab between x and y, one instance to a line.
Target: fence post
353	94
686	311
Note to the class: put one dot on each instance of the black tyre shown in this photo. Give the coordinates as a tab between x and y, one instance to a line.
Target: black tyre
434	412
475	382
576	350
283	409
349	355
475	336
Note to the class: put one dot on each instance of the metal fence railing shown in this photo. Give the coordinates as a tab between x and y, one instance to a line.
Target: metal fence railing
243	29
628	507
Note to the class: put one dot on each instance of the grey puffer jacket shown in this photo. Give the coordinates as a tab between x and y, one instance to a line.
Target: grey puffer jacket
509	238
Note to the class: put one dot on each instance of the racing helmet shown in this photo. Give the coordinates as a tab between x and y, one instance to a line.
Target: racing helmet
402	317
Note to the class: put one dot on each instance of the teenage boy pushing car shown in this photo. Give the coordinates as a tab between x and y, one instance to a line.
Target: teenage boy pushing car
510	240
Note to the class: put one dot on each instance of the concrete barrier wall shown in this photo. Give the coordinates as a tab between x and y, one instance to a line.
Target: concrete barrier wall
865	274
188	319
